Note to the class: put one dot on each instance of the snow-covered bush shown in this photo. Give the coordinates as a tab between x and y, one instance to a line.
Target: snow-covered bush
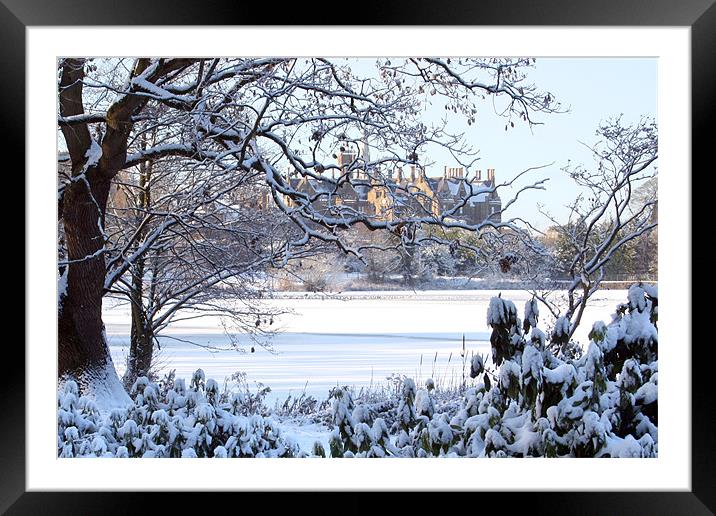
477	366
601	403
406	414
531	314
168	420
506	338
424	405
560	343
341	410
356	433
78	424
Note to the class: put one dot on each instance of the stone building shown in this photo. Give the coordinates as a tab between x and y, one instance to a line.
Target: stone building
387	195
453	188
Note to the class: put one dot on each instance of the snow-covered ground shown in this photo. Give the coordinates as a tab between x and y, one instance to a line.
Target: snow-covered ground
355	338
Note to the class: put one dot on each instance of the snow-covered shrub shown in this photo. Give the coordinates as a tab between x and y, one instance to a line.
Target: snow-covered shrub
601	403
168	420
531	376
506	335
341	410
632	332
78	422
531	314
380	443
437	437
319	450
406	414
424	405
560	342
477	366
355	433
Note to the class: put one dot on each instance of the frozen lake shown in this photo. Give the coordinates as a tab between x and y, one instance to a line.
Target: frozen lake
355	338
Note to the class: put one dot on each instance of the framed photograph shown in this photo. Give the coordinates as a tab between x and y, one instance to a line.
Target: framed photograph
307	246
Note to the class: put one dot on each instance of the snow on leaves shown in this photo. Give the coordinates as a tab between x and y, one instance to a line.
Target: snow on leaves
167	421
602	404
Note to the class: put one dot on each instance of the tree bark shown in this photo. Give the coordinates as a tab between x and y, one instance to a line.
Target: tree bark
141	349
82	347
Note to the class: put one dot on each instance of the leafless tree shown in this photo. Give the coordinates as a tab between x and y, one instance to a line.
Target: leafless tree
607	216
214	261
252	121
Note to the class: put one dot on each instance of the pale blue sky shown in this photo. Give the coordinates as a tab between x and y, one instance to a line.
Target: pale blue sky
594	89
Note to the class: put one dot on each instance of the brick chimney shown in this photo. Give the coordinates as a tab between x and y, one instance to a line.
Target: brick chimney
345	158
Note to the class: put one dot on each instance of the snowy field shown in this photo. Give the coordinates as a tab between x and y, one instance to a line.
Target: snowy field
356	338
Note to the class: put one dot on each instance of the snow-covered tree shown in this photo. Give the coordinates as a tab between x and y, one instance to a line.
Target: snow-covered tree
191	252
607	218
267	120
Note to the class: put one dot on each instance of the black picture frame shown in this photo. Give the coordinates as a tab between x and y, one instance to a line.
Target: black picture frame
700	15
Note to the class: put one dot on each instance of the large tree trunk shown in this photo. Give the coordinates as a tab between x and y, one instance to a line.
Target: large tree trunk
83	353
